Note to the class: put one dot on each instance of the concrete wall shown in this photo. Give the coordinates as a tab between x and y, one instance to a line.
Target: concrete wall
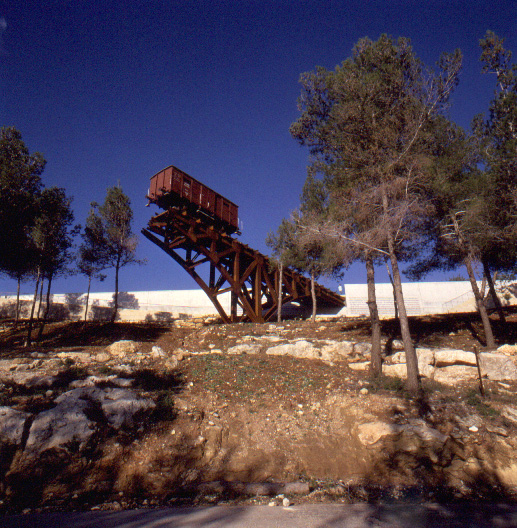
422	298
138	305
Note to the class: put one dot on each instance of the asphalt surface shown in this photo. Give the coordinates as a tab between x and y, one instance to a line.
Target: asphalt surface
472	514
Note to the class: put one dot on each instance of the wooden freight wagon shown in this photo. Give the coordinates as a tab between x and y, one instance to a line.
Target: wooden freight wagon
171	187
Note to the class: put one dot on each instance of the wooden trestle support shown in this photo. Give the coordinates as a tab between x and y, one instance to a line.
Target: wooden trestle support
231	267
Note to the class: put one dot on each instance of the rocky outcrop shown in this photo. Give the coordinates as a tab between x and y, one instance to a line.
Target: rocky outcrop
12	425
244	349
76	416
372	432
123	348
497	366
299	349
450	365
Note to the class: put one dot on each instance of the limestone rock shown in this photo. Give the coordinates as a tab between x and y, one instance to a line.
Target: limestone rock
448	357
244	349
362	348
158	352
510	413
498	366
300	349
102	357
454	374
420	429
363	365
398	370
81	357
425	356
509	350
61	426
370	433
337	350
172	363
180	354
29	379
12	425
121	405
123	348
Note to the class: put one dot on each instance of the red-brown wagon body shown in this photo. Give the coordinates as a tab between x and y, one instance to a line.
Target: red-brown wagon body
173	187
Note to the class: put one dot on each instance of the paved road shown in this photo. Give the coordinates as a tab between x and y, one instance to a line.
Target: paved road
475	515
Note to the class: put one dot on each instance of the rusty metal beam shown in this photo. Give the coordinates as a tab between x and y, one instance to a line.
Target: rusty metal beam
232	266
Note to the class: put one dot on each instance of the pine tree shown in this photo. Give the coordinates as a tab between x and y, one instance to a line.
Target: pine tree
367	127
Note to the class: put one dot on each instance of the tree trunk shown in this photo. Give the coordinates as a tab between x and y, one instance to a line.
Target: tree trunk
17	312
38	315
280	285
393	286
489	336
413	379
115	307
47	309
493	293
31	318
376	364
313	295
87	298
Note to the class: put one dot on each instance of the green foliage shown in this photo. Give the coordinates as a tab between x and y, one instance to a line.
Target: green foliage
20	185
473	399
386	383
110	242
53	232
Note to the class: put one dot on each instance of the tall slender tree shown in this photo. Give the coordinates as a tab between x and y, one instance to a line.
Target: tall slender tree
52	236
119	244
92	257
20	185
367	127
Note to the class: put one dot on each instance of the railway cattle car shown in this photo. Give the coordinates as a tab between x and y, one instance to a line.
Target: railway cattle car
171	187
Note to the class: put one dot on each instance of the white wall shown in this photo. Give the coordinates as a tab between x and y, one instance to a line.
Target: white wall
420	298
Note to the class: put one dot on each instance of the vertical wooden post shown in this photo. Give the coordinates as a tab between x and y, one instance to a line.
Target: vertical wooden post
257	290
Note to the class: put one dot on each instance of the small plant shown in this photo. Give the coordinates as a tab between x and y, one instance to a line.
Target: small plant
472	398
387	383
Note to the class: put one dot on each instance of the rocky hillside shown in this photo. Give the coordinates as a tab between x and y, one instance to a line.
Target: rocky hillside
117	416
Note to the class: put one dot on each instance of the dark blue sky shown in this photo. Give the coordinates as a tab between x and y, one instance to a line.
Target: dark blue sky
116	90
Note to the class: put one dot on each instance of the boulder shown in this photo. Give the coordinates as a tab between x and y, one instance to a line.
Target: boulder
370	433
510	413
70	422
12	425
454	374
447	357
397	344
123	348
509	350
244	349
172	363
102	357
158	352
337	350
121	405
363	365
398	370
300	349
362	349
497	366
30	380
81	357
421	430
64	425
425	358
